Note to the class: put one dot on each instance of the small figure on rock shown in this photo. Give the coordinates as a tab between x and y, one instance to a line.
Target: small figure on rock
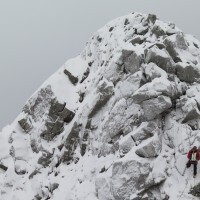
193	156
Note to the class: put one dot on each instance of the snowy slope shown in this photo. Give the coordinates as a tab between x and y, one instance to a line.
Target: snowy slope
114	123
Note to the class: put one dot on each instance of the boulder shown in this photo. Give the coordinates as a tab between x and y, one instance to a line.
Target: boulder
131	61
188	72
45	159
25	124
144	131
161	58
177	136
58	115
58	110
40	101
73	79
153	107
174	43
150	148
3	167
151	18
128	177
104	91
189	110
158	31
156	177
152	71
127	87
121	115
159	86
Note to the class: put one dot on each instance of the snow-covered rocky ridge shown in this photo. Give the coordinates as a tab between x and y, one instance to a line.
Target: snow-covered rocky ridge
114	123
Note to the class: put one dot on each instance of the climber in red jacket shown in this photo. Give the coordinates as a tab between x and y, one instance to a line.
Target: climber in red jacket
193	156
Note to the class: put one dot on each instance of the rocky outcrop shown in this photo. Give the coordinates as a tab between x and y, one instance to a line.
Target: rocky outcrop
119	125
131	61
25	124
161	58
150	148
174	44
144	131
128	177
45	159
155	106
152	71
73	79
58	115
188	72
120	116
3	167
187	110
71	143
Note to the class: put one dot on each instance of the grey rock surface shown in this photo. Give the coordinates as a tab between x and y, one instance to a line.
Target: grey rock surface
155	106
161	58
150	149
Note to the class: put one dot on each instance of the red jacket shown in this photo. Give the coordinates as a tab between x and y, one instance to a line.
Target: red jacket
189	155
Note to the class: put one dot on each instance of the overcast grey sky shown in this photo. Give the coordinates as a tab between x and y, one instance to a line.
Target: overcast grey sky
37	37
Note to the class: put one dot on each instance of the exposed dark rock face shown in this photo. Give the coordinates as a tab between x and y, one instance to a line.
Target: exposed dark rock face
85	75
71	143
25	124
188	72
73	79
195	191
58	114
151	18
144	131
3	167
45	159
35	107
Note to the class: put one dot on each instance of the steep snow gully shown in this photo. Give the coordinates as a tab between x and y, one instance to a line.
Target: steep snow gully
114	123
